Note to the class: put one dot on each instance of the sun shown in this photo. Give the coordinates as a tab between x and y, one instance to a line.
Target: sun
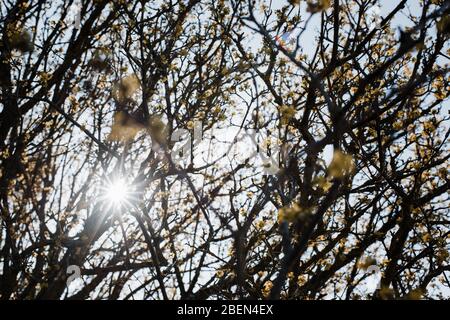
117	191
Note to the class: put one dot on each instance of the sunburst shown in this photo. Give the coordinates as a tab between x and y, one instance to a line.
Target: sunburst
118	193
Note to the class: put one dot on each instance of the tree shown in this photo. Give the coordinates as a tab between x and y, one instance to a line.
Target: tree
129	132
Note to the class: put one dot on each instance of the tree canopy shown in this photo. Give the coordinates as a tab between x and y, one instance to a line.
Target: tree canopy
224	149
